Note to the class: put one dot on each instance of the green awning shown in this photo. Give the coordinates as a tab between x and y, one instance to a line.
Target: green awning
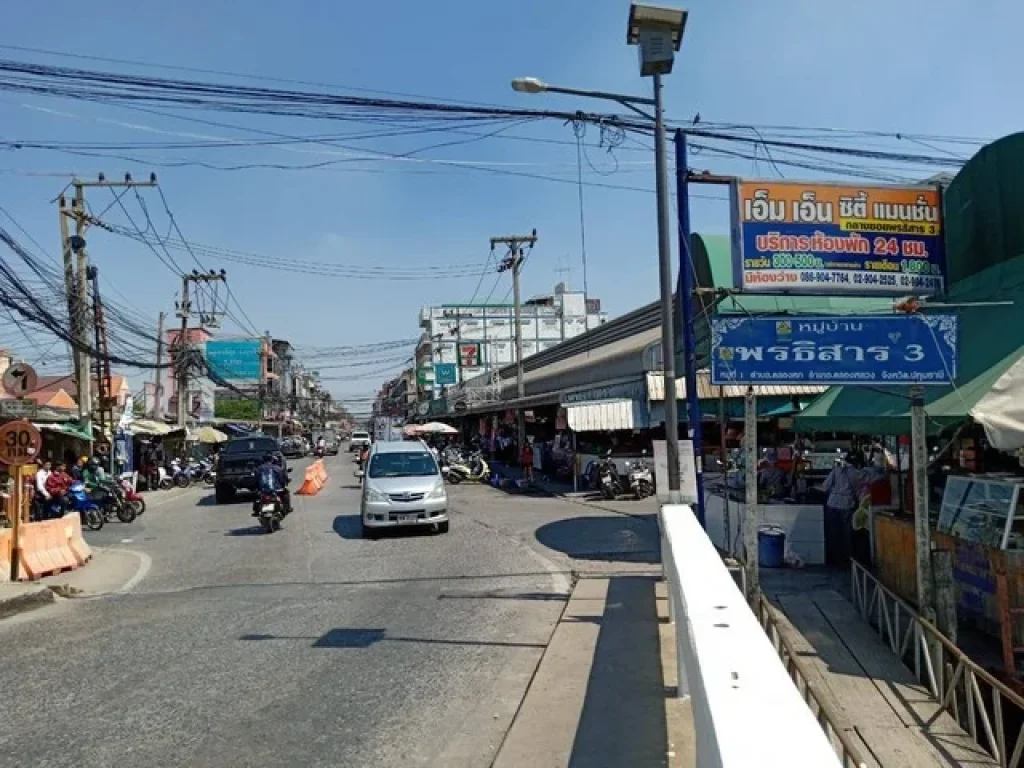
990	343
65	428
786	409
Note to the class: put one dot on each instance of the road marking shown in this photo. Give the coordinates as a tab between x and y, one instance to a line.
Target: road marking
145	563
127	541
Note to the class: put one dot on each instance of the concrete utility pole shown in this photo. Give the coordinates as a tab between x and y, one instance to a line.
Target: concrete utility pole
77	285
181	364
181	370
919	460
157	412
514	262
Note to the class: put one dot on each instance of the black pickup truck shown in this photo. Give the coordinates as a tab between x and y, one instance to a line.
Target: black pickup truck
237	463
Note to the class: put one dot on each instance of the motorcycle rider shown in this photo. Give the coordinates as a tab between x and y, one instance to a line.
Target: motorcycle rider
272	478
78	471
57	484
321	446
42	474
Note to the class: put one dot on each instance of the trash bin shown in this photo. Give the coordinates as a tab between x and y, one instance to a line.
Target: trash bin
771	546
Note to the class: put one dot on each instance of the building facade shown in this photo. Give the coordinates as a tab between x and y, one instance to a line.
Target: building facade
463	341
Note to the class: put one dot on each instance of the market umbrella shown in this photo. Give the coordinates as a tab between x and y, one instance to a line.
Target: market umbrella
437	428
411	430
209	435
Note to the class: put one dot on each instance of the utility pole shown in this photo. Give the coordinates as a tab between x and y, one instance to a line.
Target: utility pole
514	262
157	412
77	285
181	365
923	534
181	369
82	377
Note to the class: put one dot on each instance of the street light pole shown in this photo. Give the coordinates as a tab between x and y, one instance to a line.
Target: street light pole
658	33
668	341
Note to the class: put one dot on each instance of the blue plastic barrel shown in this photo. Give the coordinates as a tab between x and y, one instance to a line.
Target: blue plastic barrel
771	546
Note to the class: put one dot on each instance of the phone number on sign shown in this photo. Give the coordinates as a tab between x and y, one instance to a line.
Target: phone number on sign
842	278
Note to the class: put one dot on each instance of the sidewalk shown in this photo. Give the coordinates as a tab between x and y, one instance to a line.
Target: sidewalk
110	570
604	693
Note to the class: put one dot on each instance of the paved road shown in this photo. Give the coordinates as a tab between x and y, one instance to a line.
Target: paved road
309	647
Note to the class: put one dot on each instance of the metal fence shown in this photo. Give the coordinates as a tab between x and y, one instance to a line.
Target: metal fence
847	752
981	704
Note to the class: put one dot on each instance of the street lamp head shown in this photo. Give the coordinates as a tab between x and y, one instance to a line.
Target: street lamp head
658	32
529	85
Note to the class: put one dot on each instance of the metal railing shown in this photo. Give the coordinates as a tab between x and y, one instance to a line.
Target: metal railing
952	678
847	752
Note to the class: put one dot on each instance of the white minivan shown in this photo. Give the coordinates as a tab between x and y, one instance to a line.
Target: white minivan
402	486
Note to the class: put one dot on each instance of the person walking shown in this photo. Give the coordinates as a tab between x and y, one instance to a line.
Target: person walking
526	460
842	487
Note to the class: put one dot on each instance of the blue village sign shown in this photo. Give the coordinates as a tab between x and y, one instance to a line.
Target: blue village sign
869	349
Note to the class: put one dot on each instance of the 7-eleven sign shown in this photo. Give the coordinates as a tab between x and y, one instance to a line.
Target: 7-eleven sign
469	355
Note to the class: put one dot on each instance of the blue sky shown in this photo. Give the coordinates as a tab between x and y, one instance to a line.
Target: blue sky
940	67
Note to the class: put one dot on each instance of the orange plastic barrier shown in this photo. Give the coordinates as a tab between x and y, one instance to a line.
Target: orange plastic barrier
47	547
315	480
77	546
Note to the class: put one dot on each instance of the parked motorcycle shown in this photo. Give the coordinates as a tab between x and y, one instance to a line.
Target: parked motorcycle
472	468
608	478
134	499
89	510
269	511
641	481
179	475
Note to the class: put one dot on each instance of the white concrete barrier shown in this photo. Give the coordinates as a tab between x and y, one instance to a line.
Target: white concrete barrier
746	710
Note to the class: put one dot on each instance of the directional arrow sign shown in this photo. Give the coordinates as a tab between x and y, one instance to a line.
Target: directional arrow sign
20	379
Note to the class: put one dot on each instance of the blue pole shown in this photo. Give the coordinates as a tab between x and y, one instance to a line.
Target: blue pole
687	284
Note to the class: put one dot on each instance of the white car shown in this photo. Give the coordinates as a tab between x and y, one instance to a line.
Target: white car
402	486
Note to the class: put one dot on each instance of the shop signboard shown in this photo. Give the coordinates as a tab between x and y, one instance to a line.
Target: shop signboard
469	355
634	390
444	373
236	360
814	238
868	349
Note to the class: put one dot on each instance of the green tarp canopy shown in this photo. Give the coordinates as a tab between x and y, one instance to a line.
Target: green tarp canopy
991	340
65	428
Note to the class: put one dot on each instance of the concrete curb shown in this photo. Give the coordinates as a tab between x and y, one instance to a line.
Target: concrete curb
26	601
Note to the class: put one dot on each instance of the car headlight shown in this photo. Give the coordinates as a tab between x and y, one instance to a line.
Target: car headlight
372	494
437	492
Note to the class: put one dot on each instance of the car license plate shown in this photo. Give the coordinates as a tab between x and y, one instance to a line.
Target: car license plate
268	507
407	518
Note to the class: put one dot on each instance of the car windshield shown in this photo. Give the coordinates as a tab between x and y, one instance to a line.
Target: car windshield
254	445
405	464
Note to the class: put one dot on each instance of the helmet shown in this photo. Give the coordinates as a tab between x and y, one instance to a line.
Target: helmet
83	458
93	462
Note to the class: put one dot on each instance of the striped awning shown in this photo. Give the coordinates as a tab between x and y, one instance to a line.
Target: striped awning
707	391
607	416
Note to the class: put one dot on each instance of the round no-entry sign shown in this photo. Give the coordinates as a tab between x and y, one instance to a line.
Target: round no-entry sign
20	443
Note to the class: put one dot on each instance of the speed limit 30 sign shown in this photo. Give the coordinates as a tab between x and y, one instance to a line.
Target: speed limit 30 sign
20	443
